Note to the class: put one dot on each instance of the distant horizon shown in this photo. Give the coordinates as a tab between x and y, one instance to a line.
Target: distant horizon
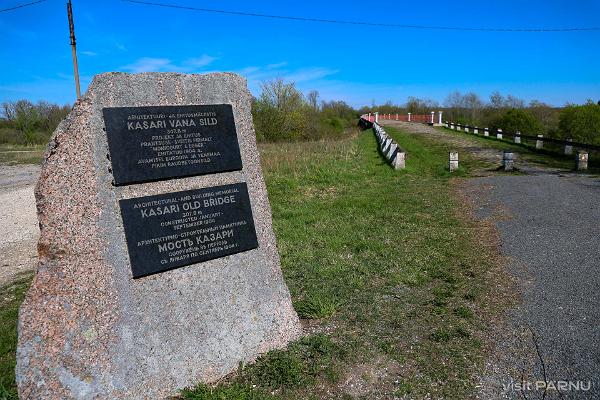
256	92
356	64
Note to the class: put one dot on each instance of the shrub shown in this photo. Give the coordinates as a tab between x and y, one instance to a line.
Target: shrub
282	112
581	123
25	123
514	120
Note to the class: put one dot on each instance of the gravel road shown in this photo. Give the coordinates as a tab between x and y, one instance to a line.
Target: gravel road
551	239
18	220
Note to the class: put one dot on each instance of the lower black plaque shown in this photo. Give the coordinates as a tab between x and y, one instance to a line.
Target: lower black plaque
173	230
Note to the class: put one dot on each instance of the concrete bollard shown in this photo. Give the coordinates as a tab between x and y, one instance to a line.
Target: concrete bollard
539	144
390	153
499	134
386	146
377	117
396	117
518	137
569	147
432	117
486	132
453	161
476	130
408	117
508	160
581	160
399	161
439	117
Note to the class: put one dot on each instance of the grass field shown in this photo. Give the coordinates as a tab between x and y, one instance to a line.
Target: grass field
391	277
13	154
383	268
11	296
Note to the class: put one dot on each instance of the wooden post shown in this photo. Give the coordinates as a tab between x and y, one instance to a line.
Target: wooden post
73	47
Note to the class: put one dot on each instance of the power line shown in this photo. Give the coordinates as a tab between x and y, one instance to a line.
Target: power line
342	22
22	5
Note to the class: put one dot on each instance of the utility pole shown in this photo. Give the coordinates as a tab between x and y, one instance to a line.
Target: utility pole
73	48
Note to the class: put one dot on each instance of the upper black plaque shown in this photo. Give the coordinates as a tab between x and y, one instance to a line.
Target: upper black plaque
173	230
161	142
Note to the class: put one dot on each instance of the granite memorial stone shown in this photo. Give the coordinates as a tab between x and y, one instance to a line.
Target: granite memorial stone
158	267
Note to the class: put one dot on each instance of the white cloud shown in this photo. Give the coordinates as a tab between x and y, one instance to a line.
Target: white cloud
202	61
150	64
60	90
89	53
309	74
277	65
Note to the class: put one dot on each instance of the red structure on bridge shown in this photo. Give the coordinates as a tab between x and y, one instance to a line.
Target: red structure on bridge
432	118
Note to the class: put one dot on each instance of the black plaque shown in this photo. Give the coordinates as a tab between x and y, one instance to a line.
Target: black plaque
162	142
173	230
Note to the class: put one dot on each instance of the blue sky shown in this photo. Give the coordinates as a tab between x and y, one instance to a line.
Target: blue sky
353	63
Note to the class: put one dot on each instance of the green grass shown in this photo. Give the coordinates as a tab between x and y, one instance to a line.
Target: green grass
384	266
550	156
14	154
390	276
11	296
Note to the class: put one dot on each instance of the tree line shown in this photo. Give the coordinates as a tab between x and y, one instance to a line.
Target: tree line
282	112
509	113
26	123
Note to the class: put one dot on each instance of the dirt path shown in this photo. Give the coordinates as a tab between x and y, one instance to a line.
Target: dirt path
18	220
489	155
465	143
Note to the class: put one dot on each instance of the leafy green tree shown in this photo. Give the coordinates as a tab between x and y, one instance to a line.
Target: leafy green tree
279	112
514	120
26	119
33	123
581	123
282	112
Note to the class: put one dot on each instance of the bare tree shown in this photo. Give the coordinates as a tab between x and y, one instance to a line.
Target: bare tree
313	100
